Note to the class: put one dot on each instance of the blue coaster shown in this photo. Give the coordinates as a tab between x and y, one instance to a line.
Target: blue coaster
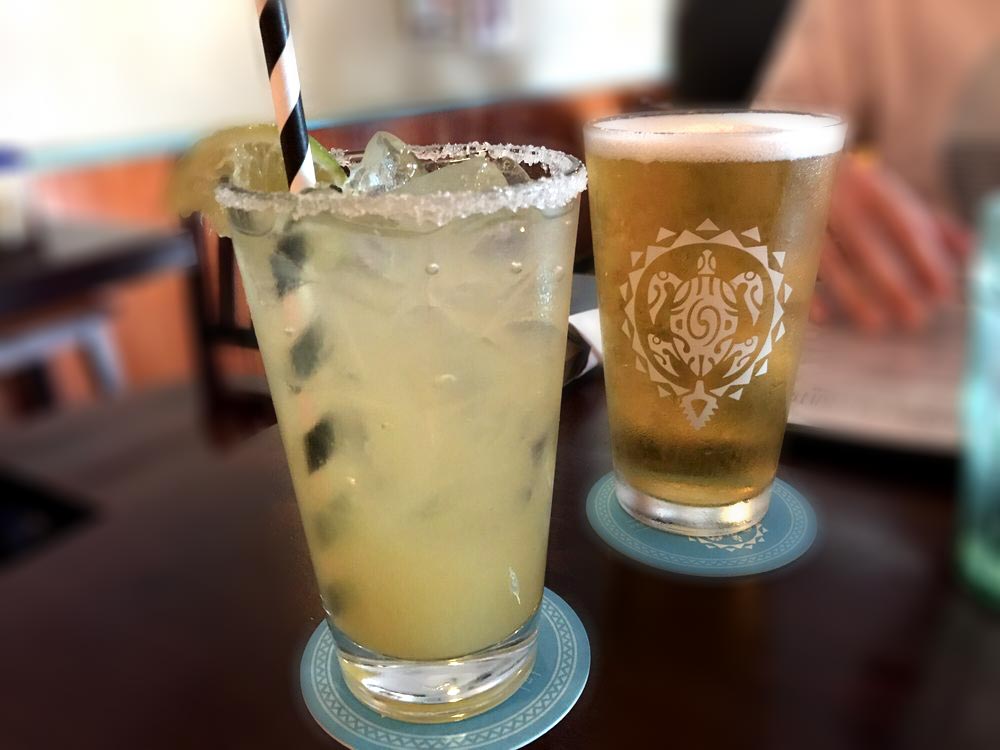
785	533
551	690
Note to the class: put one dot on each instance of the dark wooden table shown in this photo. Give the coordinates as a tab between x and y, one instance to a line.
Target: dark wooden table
46	286
68	258
176	617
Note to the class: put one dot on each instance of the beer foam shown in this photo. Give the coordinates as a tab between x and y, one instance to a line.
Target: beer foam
715	136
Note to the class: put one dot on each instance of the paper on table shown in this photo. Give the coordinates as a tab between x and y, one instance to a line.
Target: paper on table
900	391
588	325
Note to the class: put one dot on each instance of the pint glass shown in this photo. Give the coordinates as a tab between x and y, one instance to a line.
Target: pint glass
707	229
414	346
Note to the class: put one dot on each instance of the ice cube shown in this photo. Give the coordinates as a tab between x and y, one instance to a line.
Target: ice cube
500	241
453	361
387	164
293	247
513	172
252	223
286	263
538	449
536	336
422	321
357	267
319	442
478	174
474	297
287	275
329	521
308	352
332	595
369	256
541	442
431	507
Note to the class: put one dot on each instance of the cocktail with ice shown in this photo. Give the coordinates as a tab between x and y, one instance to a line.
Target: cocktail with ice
413	329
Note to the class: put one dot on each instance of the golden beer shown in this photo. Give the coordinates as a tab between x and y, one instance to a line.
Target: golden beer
707	228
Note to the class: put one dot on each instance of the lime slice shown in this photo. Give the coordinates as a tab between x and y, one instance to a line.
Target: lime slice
328	169
249	157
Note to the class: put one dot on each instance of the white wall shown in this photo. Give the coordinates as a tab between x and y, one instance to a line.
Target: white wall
98	71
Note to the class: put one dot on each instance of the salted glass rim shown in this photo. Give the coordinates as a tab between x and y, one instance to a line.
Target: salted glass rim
567	178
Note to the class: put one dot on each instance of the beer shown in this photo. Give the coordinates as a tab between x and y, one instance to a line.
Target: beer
707	230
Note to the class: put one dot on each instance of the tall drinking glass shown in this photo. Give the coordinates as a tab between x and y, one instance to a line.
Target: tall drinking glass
707	228
979	510
414	345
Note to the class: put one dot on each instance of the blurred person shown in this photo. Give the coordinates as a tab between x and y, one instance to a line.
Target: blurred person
721	47
919	81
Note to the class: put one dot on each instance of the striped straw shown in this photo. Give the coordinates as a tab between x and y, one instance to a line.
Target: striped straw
286	93
297	301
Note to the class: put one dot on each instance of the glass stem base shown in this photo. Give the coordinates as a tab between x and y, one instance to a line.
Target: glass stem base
691	520
430	692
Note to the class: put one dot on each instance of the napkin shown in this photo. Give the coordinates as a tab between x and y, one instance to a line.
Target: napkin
583	346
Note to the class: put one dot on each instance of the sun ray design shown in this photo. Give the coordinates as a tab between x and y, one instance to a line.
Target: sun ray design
698	332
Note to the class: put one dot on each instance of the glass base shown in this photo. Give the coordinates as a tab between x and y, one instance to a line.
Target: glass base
691	520
431	692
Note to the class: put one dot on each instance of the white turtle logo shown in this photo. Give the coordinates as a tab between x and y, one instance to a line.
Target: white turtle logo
704	335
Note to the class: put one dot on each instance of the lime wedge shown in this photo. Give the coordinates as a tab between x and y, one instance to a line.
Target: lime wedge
249	157
328	169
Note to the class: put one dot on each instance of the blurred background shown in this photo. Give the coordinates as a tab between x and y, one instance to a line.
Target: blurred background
106	95
126	351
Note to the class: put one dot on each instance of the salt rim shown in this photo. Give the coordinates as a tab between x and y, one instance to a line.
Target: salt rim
568	178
